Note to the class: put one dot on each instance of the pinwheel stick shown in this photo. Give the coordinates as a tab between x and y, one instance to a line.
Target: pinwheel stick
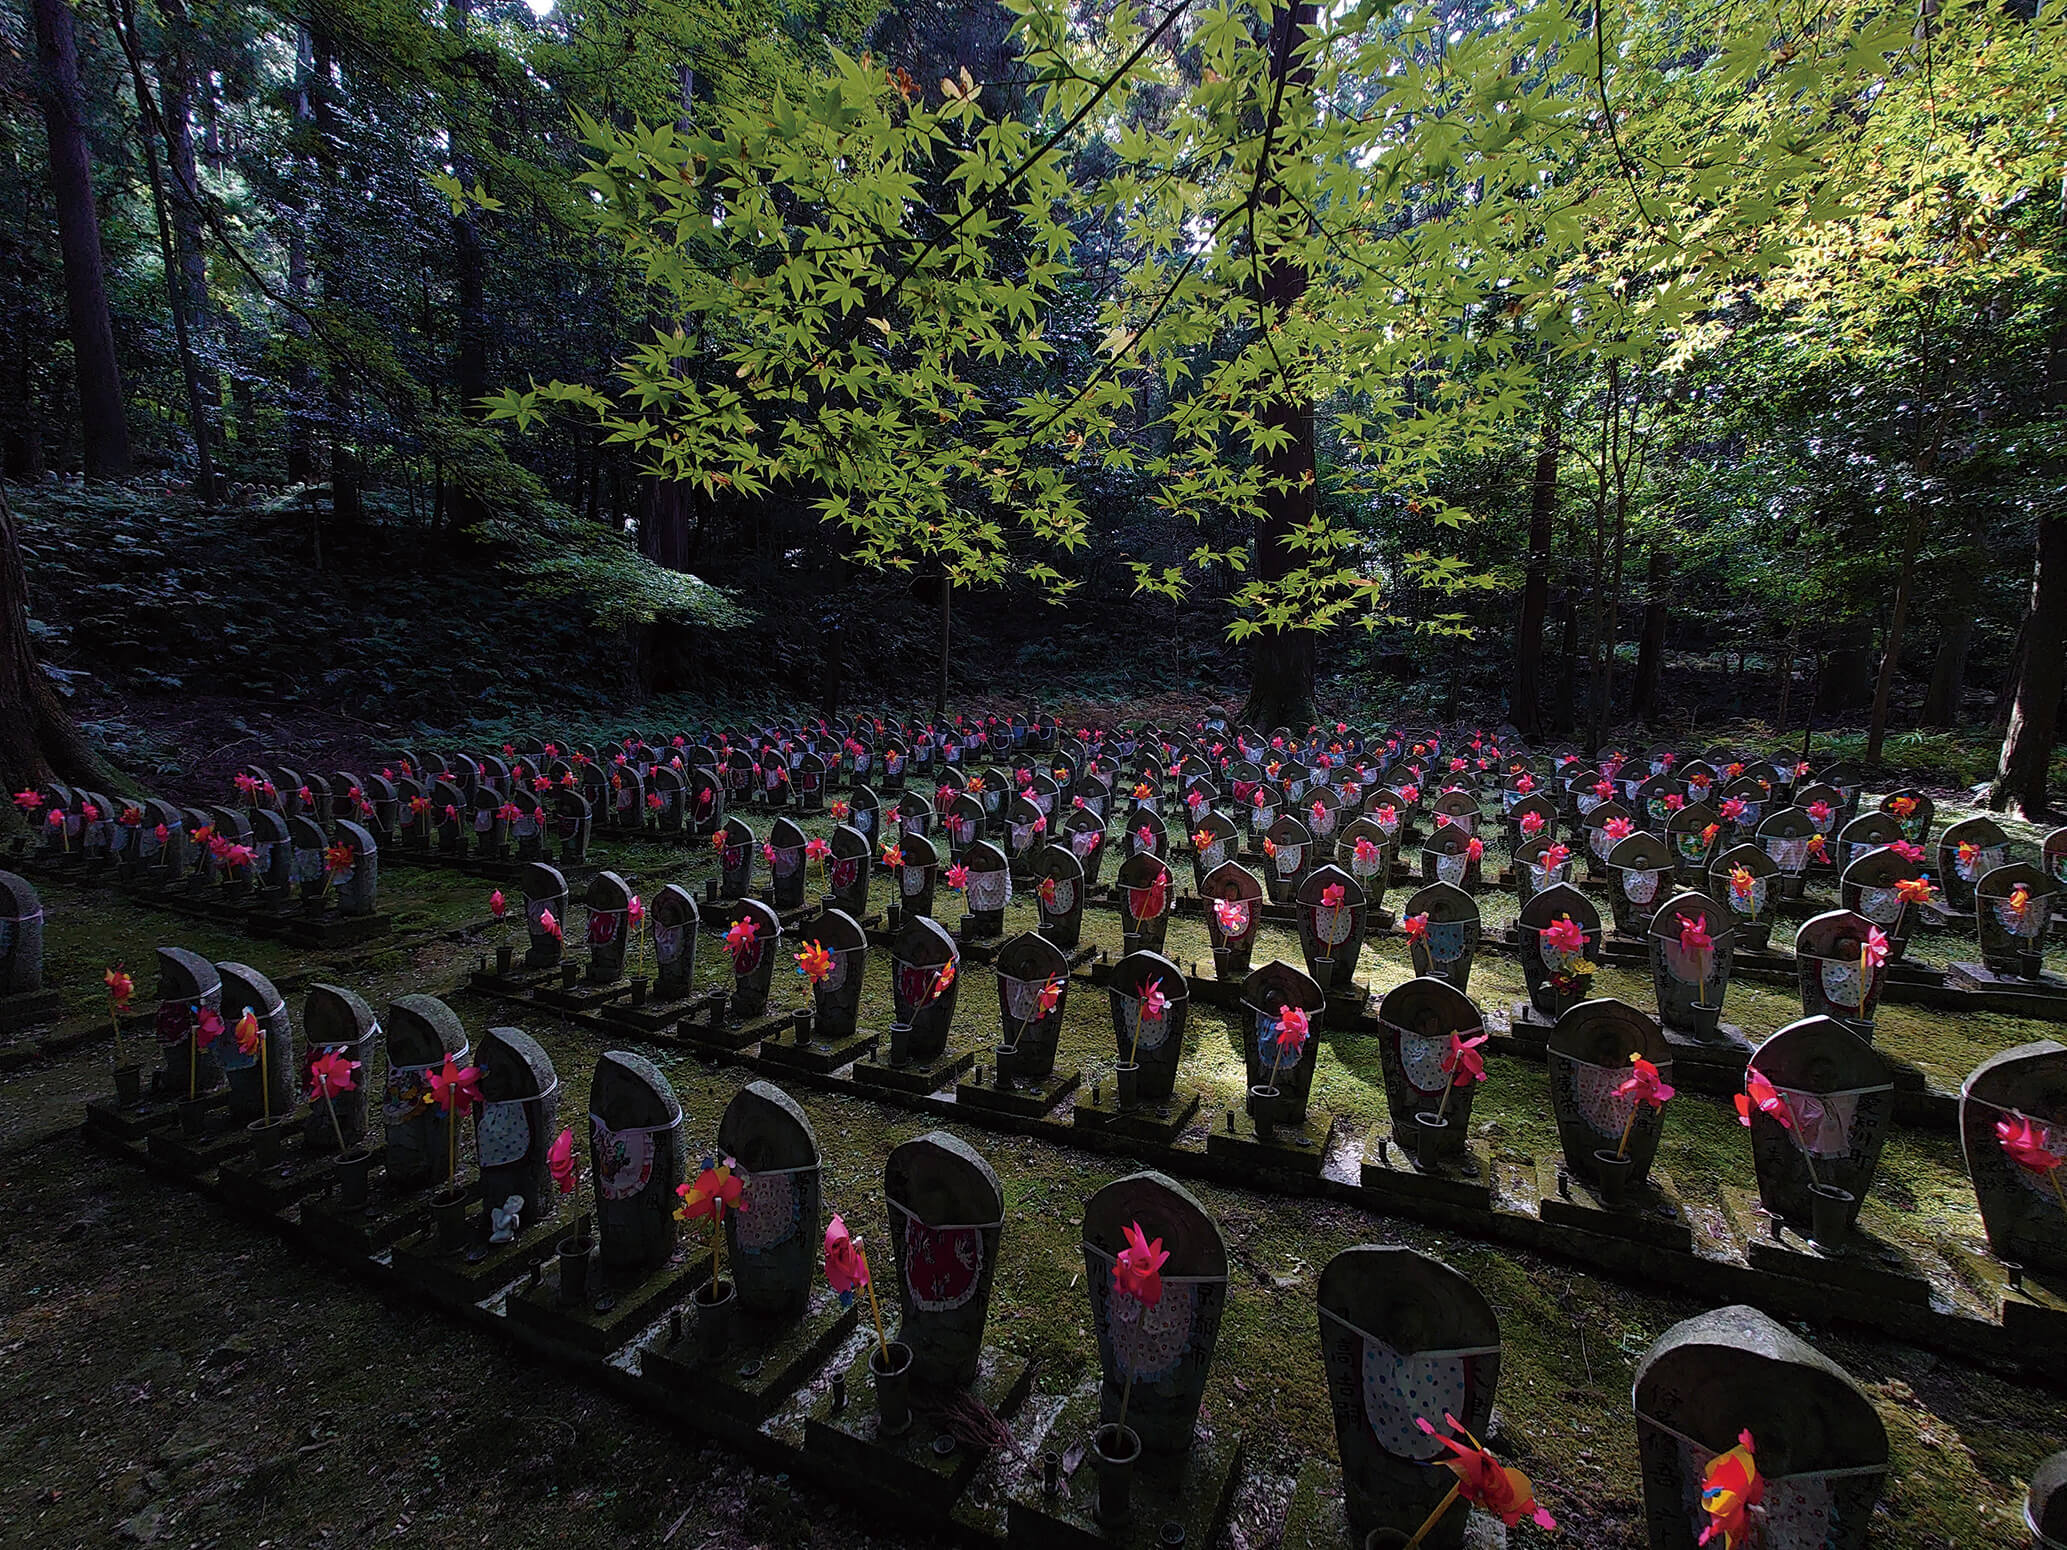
193	1055
875	1307
717	1240
451	1143
1622	1146
1127	1390
265	1087
1434	1517
330	1103
115	1022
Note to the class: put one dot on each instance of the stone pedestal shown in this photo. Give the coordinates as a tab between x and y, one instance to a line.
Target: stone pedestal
767	1363
820	1056
925	1468
1464	1178
1030	1098
1867	1266
1156	1122
1650	1213
618	1305
1297	1149
915	1078
1192	1490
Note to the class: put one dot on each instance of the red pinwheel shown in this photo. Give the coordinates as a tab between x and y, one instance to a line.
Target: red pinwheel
27	801
1914	890
1474	848
1484	1481
1555	856
1763	1096
1819	813
1137	1269
1332	896
715	1190
1153	1002
498	906
1619	828
1531	824
1050	997
1232	916
549	926
208	1026
1565	935
1416	927
1732	809
957	878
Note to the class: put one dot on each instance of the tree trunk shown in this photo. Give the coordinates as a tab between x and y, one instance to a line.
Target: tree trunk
667	521
1281	664
301	379
103	428
2027	748
346	475
178	281
1528	640
1650	651
1785	675
1891	656
176	80
947	601
1941	702
470	266
37	739
1567	662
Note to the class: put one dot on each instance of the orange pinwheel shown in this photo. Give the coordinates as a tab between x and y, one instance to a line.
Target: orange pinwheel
1484	1481
120	987
1730	1487
814	962
1914	890
248	1036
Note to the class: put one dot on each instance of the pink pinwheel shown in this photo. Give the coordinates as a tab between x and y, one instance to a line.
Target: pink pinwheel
740	942
1619	828
1366	852
817	850
1294	1028
1332	896
957	878
846	1267
559	1161
1565	935
1906	850
1153	1002
1873	950
548	925
1674	801
1463	1061
208	1027
2026	1146
1645	1084
1388	816
1474	848
1232	916
455	1088
330	1074
498	906
1693	935
1137	1269
1819	813
635	912
1525	784
1531	824
1410	794
1732	809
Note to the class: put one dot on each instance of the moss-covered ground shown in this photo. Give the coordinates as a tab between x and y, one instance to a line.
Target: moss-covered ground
168	1372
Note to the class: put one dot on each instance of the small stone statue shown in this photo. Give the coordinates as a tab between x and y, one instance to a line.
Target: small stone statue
504	1220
